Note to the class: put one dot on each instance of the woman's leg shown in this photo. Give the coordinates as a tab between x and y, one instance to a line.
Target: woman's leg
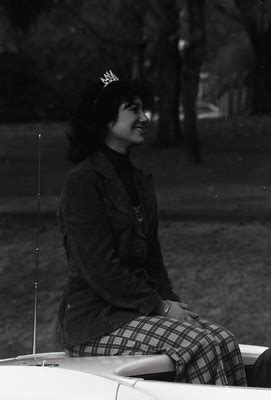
196	353
230	351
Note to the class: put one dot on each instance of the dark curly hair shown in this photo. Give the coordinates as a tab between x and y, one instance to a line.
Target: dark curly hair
98	107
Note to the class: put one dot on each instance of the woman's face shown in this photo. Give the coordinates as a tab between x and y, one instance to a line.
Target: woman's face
128	129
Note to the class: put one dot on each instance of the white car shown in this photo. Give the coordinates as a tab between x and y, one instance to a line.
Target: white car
204	111
56	376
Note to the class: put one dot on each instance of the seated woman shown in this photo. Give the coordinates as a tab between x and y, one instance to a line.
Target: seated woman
118	298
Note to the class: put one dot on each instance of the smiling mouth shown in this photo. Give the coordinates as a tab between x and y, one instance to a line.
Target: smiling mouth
139	129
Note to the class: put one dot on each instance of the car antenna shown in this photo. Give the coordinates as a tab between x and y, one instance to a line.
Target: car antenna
37	252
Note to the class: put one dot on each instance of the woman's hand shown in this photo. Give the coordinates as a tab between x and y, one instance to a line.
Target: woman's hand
181	312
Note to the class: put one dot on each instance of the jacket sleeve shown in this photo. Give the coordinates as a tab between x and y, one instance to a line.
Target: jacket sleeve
92	245
155	263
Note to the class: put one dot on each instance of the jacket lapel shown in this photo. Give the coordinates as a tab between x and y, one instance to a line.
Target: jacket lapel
115	188
145	190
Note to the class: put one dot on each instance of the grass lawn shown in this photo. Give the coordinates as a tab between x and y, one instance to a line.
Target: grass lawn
219	266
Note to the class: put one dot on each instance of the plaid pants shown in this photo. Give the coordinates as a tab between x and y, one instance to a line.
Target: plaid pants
207	355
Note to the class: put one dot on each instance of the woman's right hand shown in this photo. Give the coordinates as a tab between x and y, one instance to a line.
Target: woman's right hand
181	312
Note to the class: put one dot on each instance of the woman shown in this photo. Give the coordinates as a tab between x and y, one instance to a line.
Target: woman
118	298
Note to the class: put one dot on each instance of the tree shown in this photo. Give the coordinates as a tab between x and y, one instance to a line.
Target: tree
164	66
22	13
192	60
256	18
20	80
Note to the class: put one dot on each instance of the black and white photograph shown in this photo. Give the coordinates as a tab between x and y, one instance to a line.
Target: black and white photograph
135	199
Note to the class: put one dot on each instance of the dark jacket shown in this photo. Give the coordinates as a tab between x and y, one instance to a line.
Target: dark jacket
115	268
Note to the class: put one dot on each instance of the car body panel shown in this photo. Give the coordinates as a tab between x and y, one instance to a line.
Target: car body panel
33	383
184	391
107	376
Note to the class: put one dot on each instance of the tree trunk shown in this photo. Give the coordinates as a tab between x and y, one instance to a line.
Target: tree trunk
169	94
257	16
261	101
190	91
192	60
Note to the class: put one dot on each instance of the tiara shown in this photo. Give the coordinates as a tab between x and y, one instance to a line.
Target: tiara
109	77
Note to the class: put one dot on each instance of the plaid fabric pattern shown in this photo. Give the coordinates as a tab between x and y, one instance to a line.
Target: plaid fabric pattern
208	355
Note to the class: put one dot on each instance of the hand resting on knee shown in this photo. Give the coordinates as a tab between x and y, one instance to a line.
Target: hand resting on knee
177	310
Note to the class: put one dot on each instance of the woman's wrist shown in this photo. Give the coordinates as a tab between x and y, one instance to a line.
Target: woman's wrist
162	308
167	305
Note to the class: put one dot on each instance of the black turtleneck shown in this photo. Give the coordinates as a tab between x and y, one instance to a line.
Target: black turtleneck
125	170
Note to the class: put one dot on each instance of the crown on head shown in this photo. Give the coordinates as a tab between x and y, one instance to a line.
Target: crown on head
109	77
